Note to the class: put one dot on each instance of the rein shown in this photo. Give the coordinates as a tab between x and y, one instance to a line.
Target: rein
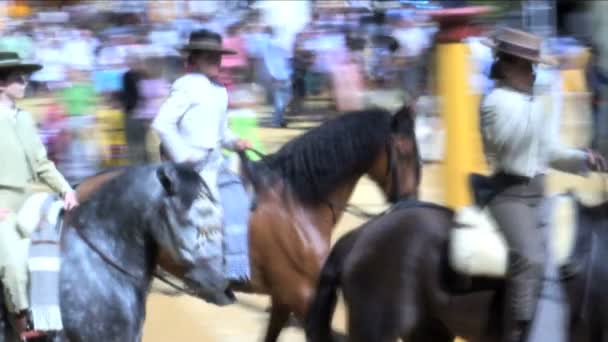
124	271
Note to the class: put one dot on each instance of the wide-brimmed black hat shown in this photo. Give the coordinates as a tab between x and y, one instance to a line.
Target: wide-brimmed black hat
205	40
519	43
10	61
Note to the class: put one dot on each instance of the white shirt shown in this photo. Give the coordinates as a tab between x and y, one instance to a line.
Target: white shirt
518	135
10	112
193	121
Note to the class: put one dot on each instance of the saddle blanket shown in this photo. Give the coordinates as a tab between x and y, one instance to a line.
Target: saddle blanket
39	218
477	247
236	205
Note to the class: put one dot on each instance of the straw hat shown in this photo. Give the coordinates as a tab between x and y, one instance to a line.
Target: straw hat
11	61
204	40
519	43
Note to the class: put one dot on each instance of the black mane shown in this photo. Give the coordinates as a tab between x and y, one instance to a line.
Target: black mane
322	159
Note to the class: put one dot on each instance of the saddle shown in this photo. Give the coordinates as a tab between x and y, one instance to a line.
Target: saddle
477	247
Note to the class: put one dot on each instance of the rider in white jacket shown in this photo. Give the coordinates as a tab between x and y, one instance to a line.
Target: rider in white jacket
193	126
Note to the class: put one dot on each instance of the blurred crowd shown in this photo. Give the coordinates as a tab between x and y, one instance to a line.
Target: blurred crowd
107	73
100	88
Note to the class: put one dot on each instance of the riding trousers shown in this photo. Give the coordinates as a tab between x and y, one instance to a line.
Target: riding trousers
516	209
226	249
13	251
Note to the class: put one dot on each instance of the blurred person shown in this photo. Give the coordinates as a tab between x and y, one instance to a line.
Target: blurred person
54	74
255	38
598	28
596	78
193	126
514	121
80	100
18	41
152	90
24	161
412	42
234	66
277	61
81	49
130	99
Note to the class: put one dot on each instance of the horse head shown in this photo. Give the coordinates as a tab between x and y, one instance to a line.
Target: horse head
398	170
184	204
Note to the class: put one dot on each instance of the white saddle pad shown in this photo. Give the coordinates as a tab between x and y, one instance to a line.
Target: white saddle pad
477	247
31	214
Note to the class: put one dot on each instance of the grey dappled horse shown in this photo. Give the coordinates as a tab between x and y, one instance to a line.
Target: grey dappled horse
110	245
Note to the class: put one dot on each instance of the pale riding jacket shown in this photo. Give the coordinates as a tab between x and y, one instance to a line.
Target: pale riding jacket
193	121
521	135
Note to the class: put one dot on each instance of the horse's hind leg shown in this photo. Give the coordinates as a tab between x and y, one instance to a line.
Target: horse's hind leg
279	315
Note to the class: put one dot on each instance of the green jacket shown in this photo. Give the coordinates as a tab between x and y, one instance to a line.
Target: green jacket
23	157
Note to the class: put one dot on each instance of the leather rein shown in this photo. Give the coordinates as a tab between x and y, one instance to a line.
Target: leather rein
108	260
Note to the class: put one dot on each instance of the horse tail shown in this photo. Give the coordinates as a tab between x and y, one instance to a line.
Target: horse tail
320	313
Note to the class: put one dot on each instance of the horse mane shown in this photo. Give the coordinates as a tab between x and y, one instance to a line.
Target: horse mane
322	159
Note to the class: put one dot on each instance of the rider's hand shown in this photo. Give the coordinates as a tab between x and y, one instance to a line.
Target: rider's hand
70	200
4	213
242	145
596	161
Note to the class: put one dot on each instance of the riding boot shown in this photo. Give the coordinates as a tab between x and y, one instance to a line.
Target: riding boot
21	322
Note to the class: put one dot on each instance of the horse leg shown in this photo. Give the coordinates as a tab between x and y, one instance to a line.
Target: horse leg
279	315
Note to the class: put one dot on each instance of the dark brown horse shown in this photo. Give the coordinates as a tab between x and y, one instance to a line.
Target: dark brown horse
301	193
397	282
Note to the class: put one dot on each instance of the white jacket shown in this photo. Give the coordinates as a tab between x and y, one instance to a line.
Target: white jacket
193	121
520	137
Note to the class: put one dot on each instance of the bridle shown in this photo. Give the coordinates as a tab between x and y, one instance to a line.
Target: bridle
393	194
108	260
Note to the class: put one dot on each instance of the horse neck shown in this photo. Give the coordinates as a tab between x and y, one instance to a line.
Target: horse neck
124	245
330	212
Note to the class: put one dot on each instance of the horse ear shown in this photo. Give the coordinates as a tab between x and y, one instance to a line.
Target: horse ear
167	175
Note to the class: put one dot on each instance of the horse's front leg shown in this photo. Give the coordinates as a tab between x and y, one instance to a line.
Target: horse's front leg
279	315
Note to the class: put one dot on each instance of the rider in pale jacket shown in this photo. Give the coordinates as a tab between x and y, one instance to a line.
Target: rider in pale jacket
520	139
24	162
193	126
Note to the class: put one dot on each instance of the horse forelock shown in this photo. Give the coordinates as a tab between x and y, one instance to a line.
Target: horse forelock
190	185
324	158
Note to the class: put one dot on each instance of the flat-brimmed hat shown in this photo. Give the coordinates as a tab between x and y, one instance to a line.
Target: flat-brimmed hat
12	62
520	44
205	40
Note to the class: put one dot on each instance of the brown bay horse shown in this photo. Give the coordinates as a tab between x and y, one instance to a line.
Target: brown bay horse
396	281
301	193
